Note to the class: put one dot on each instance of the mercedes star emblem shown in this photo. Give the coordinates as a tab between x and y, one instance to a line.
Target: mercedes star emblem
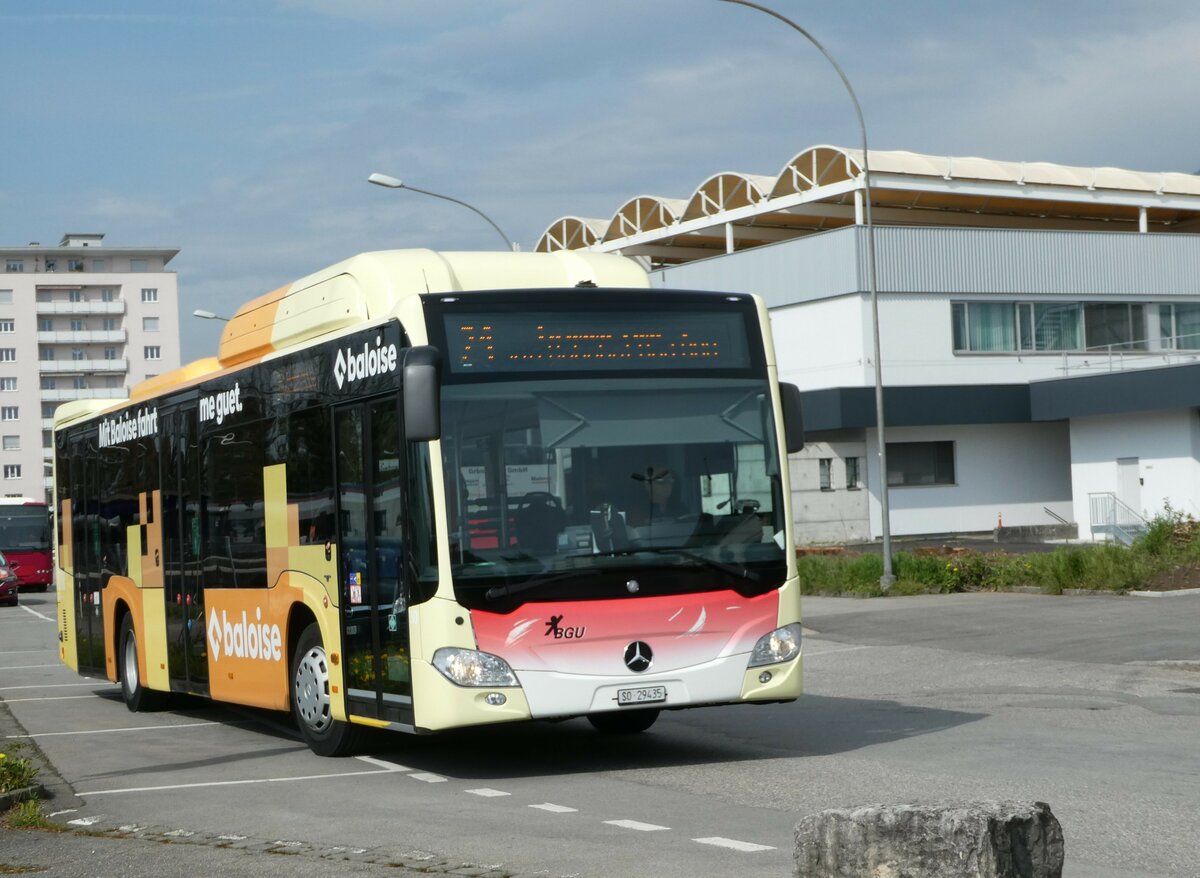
638	656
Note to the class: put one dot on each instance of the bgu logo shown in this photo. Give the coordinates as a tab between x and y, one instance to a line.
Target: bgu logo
244	639
555	629
350	367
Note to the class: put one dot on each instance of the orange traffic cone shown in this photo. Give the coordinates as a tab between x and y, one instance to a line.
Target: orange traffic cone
999	520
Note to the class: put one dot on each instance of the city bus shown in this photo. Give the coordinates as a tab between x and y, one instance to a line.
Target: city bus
26	541
422	490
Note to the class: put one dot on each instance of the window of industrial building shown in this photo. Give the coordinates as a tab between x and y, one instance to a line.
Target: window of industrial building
149	324
1114	326
12	471
1020	327
1179	325
150	294
152	352
920	463
12	443
825	468
853	474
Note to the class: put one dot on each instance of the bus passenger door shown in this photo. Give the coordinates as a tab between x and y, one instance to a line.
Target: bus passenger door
85	554
187	654
374	587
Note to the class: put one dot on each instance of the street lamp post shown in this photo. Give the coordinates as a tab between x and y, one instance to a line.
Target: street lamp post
208	315
396	183
888	578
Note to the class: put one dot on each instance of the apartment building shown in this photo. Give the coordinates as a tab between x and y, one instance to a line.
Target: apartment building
1039	331
79	320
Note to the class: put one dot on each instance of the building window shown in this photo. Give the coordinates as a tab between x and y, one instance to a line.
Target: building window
109	324
6	297
76	326
12	470
79	382
1179	326
78	354
97	265
8	355
45	325
8	326
1009	327
48	409
8	385
1114	327
110	353
75	296
137	264
14	266
920	463
853	473
51	264
107	294
149	324
825	470
111	380
12	443
150	294
75	265
152	352
48	382
9	413
44	297
45	353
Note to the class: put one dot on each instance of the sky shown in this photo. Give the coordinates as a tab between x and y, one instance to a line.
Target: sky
242	132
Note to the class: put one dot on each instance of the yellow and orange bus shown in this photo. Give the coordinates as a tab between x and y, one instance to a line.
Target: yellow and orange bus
422	490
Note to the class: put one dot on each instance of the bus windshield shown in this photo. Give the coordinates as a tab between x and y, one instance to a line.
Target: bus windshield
587	487
24	527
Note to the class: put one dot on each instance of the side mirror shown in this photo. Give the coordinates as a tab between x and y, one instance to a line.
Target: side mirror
422	394
793	420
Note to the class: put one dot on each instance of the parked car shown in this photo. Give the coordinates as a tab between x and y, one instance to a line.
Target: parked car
8	583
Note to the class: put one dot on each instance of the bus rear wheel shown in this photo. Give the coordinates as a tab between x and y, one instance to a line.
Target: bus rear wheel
311	705
137	697
624	722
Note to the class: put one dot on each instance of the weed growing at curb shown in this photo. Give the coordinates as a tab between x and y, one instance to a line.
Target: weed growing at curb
16	772
28	815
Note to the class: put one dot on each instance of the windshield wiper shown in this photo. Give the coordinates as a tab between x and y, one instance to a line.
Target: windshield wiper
500	591
740	571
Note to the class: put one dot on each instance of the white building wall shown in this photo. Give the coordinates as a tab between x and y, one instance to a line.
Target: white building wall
1002	471
821	344
838	514
1166	445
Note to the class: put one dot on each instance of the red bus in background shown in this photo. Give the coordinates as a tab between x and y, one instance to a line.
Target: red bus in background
25	540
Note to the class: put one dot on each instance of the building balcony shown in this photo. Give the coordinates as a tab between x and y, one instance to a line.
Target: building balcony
70	394
68	367
83	336
84	308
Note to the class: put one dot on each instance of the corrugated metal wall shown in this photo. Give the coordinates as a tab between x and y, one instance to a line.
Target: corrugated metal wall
956	261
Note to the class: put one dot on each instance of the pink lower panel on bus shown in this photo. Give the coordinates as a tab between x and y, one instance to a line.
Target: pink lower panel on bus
592	637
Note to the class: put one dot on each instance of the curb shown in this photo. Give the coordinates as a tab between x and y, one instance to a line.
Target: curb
1179	592
16	797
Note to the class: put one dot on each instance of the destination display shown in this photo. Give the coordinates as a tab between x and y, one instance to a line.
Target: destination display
596	341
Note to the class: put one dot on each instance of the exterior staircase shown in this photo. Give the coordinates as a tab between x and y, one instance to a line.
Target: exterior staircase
1115	520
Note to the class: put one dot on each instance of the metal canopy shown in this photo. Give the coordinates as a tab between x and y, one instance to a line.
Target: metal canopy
821	188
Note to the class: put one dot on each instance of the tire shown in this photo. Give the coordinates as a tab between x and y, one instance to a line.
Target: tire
624	722
136	696
311	706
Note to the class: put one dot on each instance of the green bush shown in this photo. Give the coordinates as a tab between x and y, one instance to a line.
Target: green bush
15	772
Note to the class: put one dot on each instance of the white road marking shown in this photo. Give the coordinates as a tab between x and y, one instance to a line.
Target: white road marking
488	793
60	813
634	824
86	821
49	698
29	667
36	613
555	809
383	763
227	783
127	729
59	685
734	844
22	651
231	837
810	652
427	777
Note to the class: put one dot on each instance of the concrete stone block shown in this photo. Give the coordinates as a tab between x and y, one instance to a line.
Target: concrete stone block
941	840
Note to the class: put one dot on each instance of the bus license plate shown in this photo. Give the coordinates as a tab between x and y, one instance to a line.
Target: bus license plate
643	695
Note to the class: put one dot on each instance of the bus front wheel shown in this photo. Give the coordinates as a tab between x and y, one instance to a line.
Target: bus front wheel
624	722
137	697
311	706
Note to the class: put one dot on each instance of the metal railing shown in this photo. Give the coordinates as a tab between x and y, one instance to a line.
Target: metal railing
1114	519
1055	515
1138	354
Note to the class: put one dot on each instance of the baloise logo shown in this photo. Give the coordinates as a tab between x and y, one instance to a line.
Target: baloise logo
367	363
244	639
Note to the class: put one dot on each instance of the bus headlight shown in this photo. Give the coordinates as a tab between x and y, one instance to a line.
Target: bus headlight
469	667
781	645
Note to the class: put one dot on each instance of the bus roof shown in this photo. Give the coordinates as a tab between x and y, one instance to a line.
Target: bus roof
371	286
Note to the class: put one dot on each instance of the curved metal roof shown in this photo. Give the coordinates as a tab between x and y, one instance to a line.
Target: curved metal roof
821	188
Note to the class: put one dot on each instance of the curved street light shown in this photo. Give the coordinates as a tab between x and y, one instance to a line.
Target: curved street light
888	578
390	182
208	315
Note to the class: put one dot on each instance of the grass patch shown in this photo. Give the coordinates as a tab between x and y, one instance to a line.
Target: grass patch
29	815
1171	543
16	772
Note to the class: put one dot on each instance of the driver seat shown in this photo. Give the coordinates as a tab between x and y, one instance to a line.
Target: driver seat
539	519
